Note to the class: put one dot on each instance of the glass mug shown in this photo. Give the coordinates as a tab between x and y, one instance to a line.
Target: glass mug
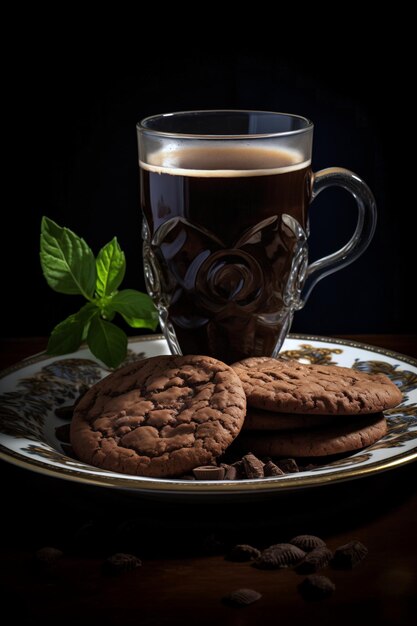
225	198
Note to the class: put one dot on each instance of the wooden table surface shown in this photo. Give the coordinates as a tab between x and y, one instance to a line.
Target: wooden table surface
182	544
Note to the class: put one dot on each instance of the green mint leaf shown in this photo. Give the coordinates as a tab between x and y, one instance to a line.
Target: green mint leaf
107	342
67	261
111	267
136	308
67	335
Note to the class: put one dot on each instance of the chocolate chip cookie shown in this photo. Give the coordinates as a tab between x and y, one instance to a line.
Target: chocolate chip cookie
293	387
159	417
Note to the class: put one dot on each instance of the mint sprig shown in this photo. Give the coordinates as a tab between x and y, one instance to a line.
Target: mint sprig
69	267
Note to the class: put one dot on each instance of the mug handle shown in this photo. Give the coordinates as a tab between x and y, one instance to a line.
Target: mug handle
364	231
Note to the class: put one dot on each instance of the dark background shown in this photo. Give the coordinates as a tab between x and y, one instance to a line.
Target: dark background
75	160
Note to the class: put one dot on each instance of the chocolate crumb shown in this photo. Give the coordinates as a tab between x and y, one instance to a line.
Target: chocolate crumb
254	468
230	471
120	562
278	556
307	542
315	560
187	477
288	466
240	469
242	597
209	472
242	552
349	555
270	469
316	587
48	555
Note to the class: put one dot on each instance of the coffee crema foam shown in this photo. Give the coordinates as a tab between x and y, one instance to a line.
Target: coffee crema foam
224	162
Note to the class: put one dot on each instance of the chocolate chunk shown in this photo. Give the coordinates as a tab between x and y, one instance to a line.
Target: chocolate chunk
187	477
315	560
65	412
242	597
278	556
230	472
48	555
316	587
254	468
307	542
349	555
243	552
209	472
288	466
270	469
240	469
120	562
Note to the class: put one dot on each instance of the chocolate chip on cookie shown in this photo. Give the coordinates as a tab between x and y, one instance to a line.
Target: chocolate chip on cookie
159	417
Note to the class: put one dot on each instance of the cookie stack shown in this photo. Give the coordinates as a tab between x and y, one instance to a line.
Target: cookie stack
303	410
167	415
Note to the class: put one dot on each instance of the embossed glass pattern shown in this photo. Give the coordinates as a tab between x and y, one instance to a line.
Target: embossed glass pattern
224	197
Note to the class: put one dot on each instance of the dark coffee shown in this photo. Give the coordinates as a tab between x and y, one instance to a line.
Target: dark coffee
225	241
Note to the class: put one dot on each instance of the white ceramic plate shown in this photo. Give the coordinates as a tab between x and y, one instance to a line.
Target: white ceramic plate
31	391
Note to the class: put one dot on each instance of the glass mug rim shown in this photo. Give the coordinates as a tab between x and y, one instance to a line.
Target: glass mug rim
144	126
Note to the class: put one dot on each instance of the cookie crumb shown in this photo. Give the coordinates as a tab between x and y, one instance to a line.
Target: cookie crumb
48	555
349	555
120	562
315	560
243	552
278	556
316	587
308	542
242	597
